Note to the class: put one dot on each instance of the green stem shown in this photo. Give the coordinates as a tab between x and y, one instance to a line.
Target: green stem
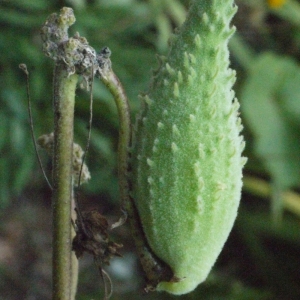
157	270
112	82
276	203
74	262
64	98
261	188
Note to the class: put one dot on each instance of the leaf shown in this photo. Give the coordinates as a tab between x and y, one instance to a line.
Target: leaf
289	93
269	99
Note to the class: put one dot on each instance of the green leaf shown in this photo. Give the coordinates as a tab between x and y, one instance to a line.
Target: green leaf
268	97
289	93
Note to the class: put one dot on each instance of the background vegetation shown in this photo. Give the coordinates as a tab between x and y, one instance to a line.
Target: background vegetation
261	258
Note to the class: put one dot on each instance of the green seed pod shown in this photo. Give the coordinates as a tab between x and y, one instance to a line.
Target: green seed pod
186	164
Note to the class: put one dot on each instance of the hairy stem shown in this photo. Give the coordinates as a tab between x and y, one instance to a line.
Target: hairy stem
64	99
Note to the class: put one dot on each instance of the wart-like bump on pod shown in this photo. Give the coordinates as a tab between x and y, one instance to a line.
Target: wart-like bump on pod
213	90
244	160
170	70
180	77
192	58
176	90
200	183
243	145
228	33
190	79
186	61
174	147
212	28
201	151
150	180
192	118
200	203
175	129
205	18
197	40
221	186
197	168
216	73
160	125
193	72
148	100
150	162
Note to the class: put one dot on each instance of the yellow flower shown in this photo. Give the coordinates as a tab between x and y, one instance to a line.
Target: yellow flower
275	3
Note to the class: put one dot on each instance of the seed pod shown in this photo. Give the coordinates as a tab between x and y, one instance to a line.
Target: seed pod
186	153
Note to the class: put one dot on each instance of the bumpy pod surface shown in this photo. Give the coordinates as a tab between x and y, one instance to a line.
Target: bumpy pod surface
186	153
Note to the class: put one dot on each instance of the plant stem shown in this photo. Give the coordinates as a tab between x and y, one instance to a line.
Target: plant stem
261	188
158	270
74	262
112	82
64	99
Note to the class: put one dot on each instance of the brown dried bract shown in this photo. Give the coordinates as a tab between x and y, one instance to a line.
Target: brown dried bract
92	237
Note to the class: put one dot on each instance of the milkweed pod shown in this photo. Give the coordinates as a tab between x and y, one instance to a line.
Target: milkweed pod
186	164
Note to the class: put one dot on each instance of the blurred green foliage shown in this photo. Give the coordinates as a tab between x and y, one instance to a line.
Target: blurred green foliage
260	260
270	102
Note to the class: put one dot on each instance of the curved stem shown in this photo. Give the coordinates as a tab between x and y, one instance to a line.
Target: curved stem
111	81
158	270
